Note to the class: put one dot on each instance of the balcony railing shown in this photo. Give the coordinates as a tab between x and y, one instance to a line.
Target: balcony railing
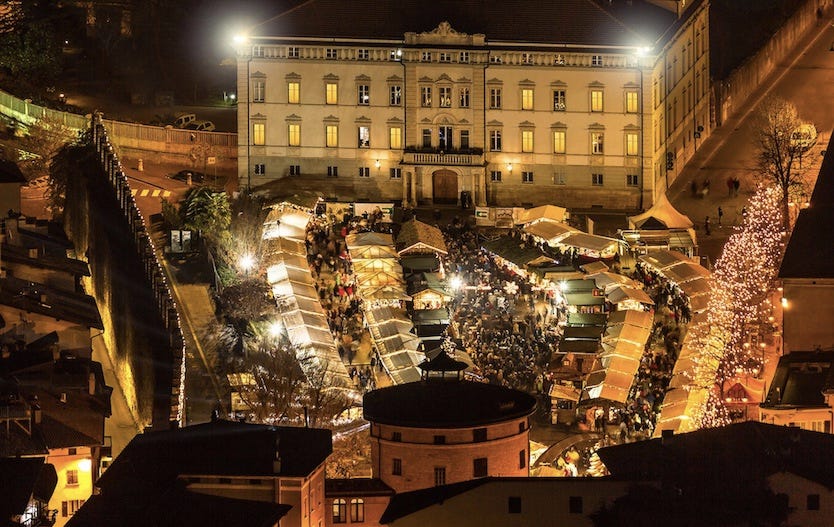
473	157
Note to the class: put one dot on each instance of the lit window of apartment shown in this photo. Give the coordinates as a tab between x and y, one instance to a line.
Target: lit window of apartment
632	180
559	137
495	98
258	90
293	92
444	138
396	54
559	60
631	102
527	141
331	136
426	135
596	100
363	54
426	56
526	176
294	134
332	171
464	139
363	94
439	476
527	99
293	52
596	60
364	137
463	57
495	140
495	59
395	138
72	478
445	96
597	139
331	53
464	98
425	96
559	104
357	510
364	172
444	57
632	144
339	510
395	173
259	134
596	180
495	176
332	93
395	97
260	169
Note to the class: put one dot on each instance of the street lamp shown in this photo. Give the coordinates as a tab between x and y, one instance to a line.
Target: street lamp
246	262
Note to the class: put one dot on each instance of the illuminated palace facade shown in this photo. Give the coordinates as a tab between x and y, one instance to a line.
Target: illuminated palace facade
573	102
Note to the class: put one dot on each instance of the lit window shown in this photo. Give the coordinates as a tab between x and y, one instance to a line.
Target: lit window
259	134
330	53
332	93
357	510
396	173
527	140
332	135
463	57
632	144
596	180
597	142
495	140
293	92
559	101
464	98
72	478
294	134
364	94
631	102
559	60
527	99
596	100
495	176
445	97
396	95
526	177
439	476
363	54
632	180
258	90
559	141
364	137
495	98
395	135
425	96
339	510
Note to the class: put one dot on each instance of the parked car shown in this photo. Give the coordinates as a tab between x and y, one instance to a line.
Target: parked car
200	126
182	175
184	119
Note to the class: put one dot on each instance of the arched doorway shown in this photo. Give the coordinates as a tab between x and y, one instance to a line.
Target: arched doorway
445	187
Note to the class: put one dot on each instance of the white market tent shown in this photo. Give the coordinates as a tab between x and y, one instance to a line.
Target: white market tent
620	294
551	213
633	317
662	226
594	267
391	332
662	212
591	244
691	278
549	231
606	280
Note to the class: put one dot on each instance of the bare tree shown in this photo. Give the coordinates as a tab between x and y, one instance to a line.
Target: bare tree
324	397
277	387
779	153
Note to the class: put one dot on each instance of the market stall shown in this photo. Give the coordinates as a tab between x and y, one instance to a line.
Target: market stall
660	227
397	346
549	213
416	237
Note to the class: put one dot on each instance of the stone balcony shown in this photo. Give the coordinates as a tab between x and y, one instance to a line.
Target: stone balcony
472	158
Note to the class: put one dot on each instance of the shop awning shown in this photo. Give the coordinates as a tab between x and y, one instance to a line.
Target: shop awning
551	213
660	260
560	391
591	242
622	293
634	317
606	279
550	232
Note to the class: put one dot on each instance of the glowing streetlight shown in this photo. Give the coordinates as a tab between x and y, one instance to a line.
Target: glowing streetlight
246	262
275	328
240	39
85	464
456	282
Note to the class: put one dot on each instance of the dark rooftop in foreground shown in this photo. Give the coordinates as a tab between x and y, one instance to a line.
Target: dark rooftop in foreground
801	378
569	22
357	487
44	300
446	404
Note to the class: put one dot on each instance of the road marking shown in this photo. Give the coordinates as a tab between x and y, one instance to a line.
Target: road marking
154	193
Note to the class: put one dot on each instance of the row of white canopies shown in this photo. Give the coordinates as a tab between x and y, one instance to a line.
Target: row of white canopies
284	254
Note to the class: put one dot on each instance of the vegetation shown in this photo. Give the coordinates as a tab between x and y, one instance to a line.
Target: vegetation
29	40
207	212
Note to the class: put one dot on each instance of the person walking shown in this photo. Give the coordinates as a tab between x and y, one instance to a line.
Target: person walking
707	226
720	215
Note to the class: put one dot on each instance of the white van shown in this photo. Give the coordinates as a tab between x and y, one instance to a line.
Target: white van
183	119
